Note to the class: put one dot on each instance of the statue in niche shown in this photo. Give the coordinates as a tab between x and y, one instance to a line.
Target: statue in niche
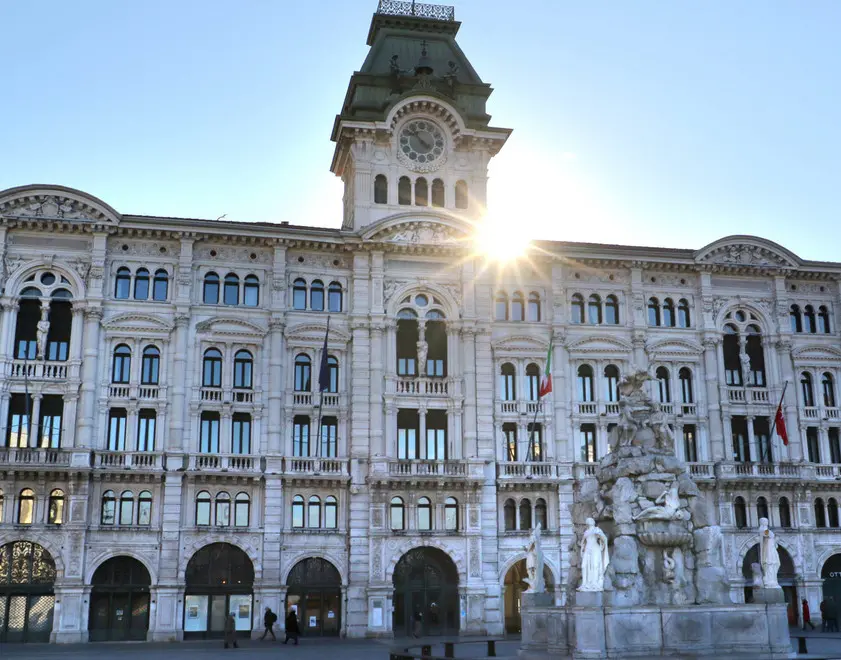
534	564
668	506
423	351
42	331
769	555
594	558
747	374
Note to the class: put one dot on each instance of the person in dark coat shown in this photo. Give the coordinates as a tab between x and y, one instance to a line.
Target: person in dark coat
269	619
231	631
824	621
292	630
807	620
831	615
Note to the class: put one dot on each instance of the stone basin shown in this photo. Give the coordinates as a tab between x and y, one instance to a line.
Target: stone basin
660	534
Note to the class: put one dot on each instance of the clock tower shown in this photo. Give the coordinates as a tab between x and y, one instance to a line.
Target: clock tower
413	135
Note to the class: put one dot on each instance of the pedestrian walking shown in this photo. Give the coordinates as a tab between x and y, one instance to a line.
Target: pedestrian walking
417	626
231	631
269	619
292	630
824	621
831	615
807	621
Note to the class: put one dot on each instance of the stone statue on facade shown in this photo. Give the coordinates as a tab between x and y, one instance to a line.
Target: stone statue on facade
747	374
594	558
42	332
769	556
756	574
667	506
423	351
534	564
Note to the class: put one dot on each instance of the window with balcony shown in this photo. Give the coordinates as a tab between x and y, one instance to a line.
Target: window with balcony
501	306
317	296
55	508
121	365
329	436
223	509
823	320
451	514
424	514
210	289
534	433
509	434
577	309
741	446
653	312
685	378
806	389
683	317
397	517
203	502
834	445
507	382
251	291
330	512
150	367
209	433
509	515
611	310
740	512
669	313
534	307
147	420
301	436
525	514
611	383
243	370
436	435
126	510
731	351
585	383
141	284
436	340
380	189
407	343
2	503
820	513
540	514
408	430
299	294
230	295
785	513
332	375
144	508
242	510
334	297
122	283
594	310
18	426
241	433
589	452
26	329
756	355
117	419
52	409
160	287
314	512
532	382
812	444
303	373
828	387
212	368
61	322
297	512
690	446
517	306
108	508
664	390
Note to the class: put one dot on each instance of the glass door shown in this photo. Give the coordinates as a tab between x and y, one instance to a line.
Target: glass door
16	619
331	613
139	624
218	614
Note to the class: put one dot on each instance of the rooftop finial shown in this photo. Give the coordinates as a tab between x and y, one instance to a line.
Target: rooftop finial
424	66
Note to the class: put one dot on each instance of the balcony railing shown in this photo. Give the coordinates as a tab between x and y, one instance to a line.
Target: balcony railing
119	391
689	409
701	470
588	408
212	394
748	395
419	9
224	463
316	466
736	470
422	386
512	470
428	468
585	470
33	456
37	370
132	460
302	399
611	409
811	412
148	392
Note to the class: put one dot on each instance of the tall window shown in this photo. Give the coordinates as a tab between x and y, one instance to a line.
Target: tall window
690	447
685	378
421	192
242	510
334	297
828	387
809	319
408	429
243	366
535	437
507	382
144	508
436	435
299	294
683	319
303	373
329	436
223	509
26	329
209	440
126	508
122	283
812	444
146	422
451	514
141	284
161	285
823	320
589	452
314	512
210	292
806	389
424	514
509	515
297	512
761	507
740	511
397	514
117	418
540	517
231	294
577	308
437	193
61	323
317	296
501	306
594	310
820	513
509	433
832	512
52	410
55	510
332	374
732	361
653	312
795	319
19	423
611	383
755	353
26	507
150	366
669	313
301	436
461	195
611	310
251	291
241	430
330	512
380	189
525	514
585	383
532	381
534	307
404	191
785	513
834	445
741	446
517	306
212	368
108	510
407	343
663	385
203	508
121	366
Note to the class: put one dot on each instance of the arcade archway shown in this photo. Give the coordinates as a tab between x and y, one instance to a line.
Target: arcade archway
831	574
425	594
786	577
515	585
315	593
220	581
119	601
27	575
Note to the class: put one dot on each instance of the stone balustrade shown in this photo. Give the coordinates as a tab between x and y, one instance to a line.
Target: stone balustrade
37	370
422	386
22	456
316	466
539	471
430	468
224	463
129	460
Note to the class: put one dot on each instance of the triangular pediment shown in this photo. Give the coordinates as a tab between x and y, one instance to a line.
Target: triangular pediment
743	251
599	345
39	202
419	229
231	327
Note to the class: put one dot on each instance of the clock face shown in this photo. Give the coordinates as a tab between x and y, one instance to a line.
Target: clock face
421	145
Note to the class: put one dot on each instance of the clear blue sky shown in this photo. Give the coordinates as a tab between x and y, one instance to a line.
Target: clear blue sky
658	123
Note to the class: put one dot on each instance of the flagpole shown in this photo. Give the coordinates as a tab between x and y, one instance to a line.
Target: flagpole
779	407
533	425
321	391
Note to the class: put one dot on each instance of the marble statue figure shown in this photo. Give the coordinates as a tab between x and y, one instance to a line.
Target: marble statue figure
534	564
769	556
668	506
41	333
756	572
594	558
423	351
747	374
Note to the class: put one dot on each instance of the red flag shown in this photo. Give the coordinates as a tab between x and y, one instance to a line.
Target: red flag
546	381
780	423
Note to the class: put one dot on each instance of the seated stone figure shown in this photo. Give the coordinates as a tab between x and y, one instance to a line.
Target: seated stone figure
668	509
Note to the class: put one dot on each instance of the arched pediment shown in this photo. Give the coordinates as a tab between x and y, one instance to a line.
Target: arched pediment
599	344
143	325
747	251
520	344
231	327
816	353
313	333
676	348
420	228
55	203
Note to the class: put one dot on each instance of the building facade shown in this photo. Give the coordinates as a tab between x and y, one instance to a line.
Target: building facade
175	447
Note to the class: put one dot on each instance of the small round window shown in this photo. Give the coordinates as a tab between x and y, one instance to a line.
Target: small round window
421	300
47	279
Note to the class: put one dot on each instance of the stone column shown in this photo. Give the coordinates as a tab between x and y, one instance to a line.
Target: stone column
754	450
422	432
717	442
823	442
471	446
90	377
10	308
176	442
273	387
376	399
34	420
563	439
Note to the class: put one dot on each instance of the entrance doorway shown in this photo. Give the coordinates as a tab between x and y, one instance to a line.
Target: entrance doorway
27	575
220	581
515	585
315	595
831	574
786	577
425	594
119	601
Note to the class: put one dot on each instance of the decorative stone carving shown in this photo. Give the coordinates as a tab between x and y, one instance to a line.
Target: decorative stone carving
534	564
744	254
768	555
475	561
51	206
423	232
594	558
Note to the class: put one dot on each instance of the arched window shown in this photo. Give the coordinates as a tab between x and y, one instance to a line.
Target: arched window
451	514
303	373
828	386
314	512
501	306
126	508
795	319
762	508
330	512
832	512
144	508
231	295
741	513
540	517
404	191
203	508
212	368
461	195
785	513
611	310
210	293
317	296
398	520
380	189
809	319
534	307
683	318
298	512
653	312
509	514
424	514
507	382
108	511
669	313
334	297
141	284
438	193
820	513
517	305
299	294
332	374
823	320
223	509
243	368
685	377
594	310
525	514
532	381
611	383
150	366
577	308
55	513
160	288
664	389
121	367
421	192
585	383
122	283
251	291
806	389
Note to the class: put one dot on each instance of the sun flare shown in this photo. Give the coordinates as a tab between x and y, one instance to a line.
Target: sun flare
499	241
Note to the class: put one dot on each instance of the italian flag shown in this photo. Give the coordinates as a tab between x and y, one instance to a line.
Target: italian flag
546	380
